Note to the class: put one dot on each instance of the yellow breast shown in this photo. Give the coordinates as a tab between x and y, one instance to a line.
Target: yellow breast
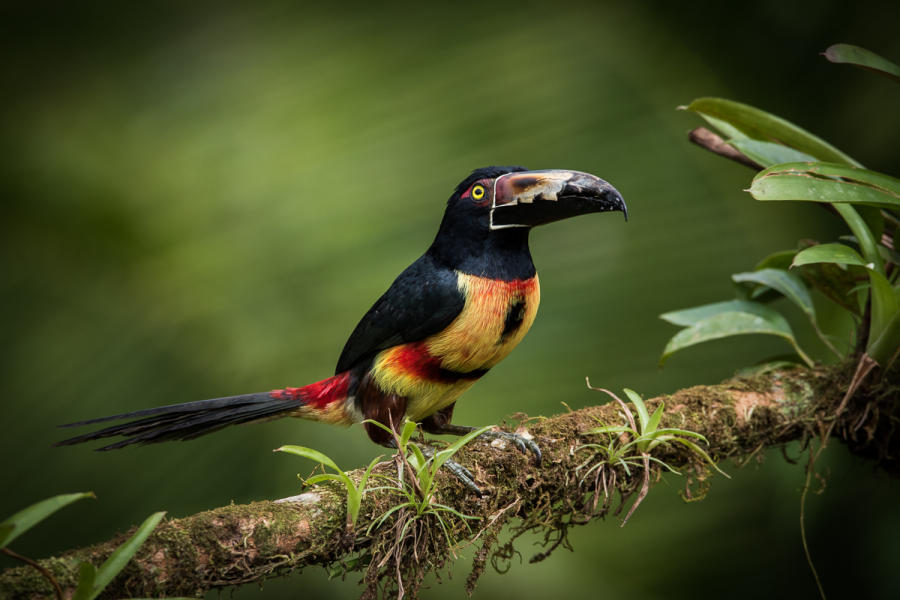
432	373
495	318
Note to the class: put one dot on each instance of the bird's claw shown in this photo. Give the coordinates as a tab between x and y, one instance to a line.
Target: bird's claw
524	444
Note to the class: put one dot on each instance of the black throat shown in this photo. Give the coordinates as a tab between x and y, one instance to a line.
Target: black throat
502	254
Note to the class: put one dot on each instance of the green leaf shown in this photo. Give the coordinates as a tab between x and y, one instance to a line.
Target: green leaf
727	324
28	517
87	574
311	454
760	125
769	153
790	285
864	237
835	282
826	182
611	429
883	348
828	253
860	57
885	304
671	431
692	316
729	131
459	443
643	414
821	270
314	479
418	459
777	260
120	557
655	418
408	428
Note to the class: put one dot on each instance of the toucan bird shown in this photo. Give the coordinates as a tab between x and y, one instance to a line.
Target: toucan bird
442	324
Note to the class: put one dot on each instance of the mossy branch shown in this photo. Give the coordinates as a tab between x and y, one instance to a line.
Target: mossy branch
238	544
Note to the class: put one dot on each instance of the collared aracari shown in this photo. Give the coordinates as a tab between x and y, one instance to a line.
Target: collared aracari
442	324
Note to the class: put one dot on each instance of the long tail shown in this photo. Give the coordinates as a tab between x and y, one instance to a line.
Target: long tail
321	401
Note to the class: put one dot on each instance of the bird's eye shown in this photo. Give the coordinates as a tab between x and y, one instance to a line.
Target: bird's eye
478	192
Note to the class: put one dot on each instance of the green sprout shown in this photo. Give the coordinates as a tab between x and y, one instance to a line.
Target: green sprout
355	492
416	481
631	444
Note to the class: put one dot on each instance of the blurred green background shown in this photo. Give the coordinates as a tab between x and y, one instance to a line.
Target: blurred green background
201	200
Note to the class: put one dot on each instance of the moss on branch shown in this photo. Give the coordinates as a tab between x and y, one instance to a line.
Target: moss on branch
237	544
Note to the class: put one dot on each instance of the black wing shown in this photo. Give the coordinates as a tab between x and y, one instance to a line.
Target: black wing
423	300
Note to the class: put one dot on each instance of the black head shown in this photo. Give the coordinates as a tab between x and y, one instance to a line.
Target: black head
492	210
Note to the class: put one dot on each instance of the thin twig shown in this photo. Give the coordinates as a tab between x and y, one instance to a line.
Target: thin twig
57	590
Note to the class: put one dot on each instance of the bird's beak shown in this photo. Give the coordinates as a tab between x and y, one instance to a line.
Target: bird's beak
531	198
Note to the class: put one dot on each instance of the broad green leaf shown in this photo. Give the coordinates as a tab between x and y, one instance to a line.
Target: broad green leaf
691	316
729	324
311	454
28	517
828	253
728	130
760	125
777	260
835	282
769	153
826	182
790	285
860	57
120	557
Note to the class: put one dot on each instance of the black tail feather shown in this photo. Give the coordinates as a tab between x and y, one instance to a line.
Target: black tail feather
184	421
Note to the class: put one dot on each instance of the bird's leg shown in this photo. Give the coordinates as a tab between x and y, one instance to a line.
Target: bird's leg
463	474
439	424
389	410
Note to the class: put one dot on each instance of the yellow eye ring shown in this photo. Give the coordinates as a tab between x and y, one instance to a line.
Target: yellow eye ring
478	192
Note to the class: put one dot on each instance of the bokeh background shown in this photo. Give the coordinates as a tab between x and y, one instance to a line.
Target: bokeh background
201	200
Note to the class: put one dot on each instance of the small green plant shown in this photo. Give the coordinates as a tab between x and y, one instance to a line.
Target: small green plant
631	444
419	523
355	492
417	478
91	580
795	165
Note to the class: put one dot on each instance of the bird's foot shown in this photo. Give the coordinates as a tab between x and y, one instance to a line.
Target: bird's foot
524	444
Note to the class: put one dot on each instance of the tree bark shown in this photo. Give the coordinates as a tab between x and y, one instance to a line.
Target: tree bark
238	544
